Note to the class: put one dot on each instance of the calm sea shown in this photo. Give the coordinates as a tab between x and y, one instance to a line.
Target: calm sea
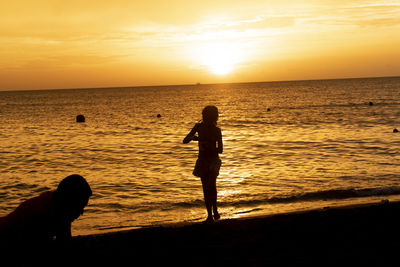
287	146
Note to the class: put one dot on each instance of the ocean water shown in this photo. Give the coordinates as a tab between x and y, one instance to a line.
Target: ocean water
287	146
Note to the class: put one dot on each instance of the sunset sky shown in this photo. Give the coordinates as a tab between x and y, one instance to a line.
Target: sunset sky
79	44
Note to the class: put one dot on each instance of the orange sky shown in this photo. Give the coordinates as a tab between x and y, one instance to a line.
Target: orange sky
75	44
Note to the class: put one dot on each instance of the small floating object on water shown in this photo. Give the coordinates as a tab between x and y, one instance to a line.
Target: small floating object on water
80	118
385	201
268	109
158	115
371	103
395	130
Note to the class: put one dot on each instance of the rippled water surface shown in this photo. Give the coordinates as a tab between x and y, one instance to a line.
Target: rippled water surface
287	146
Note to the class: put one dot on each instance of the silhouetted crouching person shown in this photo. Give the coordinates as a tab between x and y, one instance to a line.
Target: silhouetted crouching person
36	221
208	162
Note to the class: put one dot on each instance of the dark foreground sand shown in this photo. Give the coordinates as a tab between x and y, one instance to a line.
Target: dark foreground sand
358	235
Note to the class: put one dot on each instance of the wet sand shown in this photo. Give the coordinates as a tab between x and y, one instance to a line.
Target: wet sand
364	234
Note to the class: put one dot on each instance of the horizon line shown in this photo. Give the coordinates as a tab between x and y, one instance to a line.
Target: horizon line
198	84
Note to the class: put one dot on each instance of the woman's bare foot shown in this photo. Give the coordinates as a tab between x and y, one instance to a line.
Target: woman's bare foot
216	215
209	220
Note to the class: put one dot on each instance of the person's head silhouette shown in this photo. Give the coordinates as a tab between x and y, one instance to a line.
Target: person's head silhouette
210	115
71	196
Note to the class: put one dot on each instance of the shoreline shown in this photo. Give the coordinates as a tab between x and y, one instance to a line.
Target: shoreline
358	233
248	213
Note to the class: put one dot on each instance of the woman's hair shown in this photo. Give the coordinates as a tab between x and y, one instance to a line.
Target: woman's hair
72	189
74	184
210	115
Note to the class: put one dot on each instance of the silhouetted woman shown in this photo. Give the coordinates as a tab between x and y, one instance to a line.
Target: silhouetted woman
208	162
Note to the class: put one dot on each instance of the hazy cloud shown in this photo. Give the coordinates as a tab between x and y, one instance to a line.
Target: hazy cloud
375	15
156	34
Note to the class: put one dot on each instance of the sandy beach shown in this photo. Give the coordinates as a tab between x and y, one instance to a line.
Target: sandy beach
363	234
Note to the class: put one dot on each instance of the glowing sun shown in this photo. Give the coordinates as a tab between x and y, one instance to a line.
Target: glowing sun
219	58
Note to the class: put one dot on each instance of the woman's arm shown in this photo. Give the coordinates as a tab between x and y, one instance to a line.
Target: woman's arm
220	144
191	135
63	232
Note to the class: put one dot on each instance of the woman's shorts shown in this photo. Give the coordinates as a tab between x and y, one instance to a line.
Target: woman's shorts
207	166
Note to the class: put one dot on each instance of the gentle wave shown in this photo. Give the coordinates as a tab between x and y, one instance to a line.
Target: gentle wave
25	186
344	105
336	194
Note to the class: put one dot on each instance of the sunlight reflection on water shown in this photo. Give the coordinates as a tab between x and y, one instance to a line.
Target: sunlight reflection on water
317	136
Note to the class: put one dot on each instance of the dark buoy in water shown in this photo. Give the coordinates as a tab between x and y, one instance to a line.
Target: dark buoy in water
80	118
158	115
371	103
268	109
395	130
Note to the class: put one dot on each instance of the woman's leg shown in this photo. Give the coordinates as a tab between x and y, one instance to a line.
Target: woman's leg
205	181
214	194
